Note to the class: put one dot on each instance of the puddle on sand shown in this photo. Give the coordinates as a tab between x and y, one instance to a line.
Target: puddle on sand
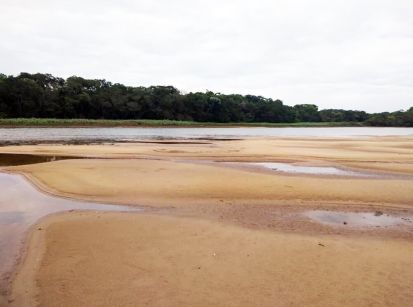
310	170
358	219
21	205
9	159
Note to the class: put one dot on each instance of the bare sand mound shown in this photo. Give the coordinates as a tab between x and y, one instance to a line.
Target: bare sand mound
113	259
165	183
134	260
382	153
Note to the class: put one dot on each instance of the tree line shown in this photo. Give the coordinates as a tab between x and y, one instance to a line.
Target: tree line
46	96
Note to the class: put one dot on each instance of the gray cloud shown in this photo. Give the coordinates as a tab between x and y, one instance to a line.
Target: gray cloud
354	54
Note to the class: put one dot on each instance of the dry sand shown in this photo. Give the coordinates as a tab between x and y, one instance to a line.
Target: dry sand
165	183
383	153
204	259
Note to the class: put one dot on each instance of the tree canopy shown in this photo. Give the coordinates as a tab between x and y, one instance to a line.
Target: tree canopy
46	96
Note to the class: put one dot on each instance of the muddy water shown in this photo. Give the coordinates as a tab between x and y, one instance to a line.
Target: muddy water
21	205
358	219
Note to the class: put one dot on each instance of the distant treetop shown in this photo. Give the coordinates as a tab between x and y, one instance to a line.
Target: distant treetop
46	96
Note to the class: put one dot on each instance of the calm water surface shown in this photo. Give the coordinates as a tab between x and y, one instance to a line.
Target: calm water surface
358	219
7	159
67	134
310	170
21	205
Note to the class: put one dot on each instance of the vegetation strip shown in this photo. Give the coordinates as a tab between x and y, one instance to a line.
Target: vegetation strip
56	122
46	96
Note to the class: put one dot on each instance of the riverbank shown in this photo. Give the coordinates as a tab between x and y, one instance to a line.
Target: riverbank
168	183
168	261
53	122
222	234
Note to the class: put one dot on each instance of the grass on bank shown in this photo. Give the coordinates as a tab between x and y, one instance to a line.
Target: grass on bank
54	122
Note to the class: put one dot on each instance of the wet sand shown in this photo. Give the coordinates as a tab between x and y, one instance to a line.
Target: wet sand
167	183
224	236
21	206
167	261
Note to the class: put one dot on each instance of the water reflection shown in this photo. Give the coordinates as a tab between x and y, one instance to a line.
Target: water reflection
358	219
311	170
21	205
7	159
11	217
119	134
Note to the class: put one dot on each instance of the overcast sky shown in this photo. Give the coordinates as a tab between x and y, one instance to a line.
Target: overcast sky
352	54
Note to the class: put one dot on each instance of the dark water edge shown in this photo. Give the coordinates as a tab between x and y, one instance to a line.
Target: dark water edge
7	159
151	140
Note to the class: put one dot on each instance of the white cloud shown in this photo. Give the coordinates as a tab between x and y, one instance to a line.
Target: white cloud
341	54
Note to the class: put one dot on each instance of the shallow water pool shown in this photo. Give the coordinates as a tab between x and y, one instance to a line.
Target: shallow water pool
21	206
358	219
11	159
310	170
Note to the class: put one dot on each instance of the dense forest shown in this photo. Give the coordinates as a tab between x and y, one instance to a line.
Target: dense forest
45	96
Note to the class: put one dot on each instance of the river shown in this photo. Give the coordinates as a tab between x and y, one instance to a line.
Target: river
130	134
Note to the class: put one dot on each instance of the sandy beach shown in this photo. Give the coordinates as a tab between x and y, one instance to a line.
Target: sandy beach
206	153
217	233
126	259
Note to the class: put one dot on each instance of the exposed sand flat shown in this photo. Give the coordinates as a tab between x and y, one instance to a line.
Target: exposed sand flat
165	183
166	261
224	243
377	149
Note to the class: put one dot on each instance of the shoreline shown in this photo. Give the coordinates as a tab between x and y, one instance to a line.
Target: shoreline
283	206
143	123
21	288
194	212
174	158
44	188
